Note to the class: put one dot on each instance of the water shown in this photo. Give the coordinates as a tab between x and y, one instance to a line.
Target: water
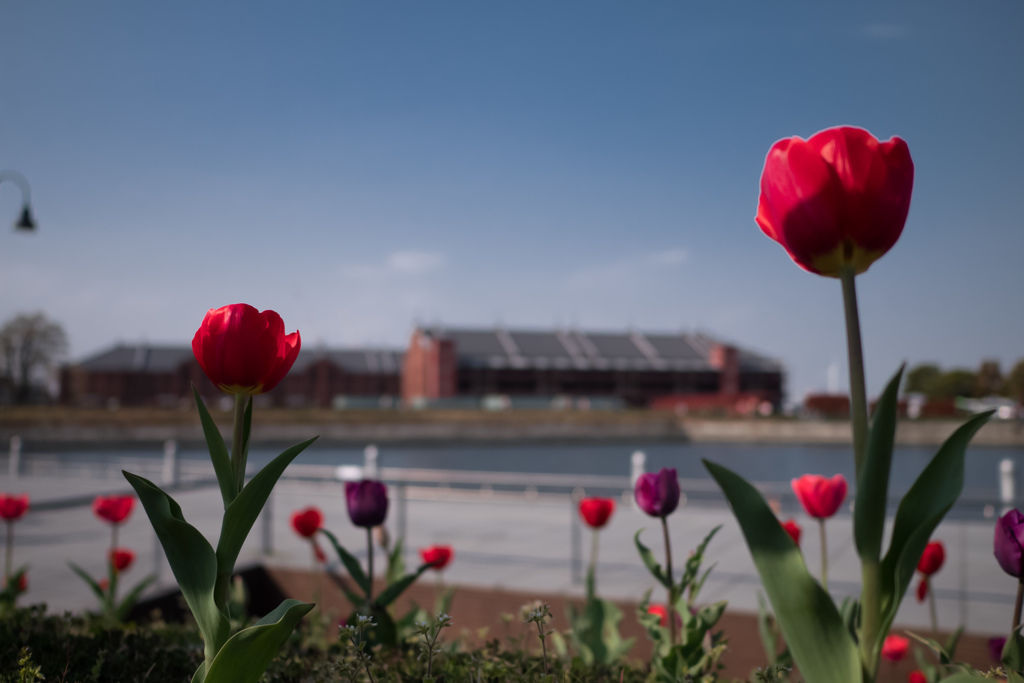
776	464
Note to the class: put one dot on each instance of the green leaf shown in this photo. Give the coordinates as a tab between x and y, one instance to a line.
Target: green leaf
352	596
920	511
245	655
218	451
241	514
1013	651
396	562
873	484
766	627
388	595
355	570
810	623
122	610
89	580
191	557
652	565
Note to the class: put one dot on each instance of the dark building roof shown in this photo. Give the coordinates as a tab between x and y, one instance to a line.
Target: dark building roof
576	349
162	359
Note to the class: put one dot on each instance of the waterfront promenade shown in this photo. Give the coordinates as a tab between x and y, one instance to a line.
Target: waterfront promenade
512	540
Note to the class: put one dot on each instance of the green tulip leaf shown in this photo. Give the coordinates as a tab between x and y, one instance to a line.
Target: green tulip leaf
218	452
652	564
191	557
128	602
396	562
90	581
920	511
354	598
246	655
355	570
388	595
810	623
241	514
873	484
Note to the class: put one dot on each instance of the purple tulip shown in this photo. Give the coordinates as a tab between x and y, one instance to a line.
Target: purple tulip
995	648
1009	542
367	502
658	494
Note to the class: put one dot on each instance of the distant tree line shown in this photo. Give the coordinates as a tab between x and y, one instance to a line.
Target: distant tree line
31	346
929	379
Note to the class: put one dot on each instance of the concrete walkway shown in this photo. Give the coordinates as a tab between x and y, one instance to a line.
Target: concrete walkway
501	541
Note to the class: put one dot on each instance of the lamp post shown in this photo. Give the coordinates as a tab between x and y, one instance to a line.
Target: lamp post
25	222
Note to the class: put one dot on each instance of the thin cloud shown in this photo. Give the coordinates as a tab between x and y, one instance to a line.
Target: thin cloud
626	270
398	263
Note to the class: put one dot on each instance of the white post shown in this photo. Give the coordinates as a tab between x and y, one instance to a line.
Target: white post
14	461
638	461
1007	485
170	470
370	462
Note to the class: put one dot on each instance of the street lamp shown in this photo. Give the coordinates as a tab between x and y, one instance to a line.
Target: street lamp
25	220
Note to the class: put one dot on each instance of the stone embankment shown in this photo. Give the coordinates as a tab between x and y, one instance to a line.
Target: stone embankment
126	427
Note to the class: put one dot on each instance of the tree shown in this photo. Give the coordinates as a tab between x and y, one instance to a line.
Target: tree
30	346
922	379
1014	384
989	381
956	382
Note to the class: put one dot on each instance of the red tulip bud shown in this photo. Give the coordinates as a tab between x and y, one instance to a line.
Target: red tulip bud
895	648
917	676
922	589
121	558
597	511
437	556
307	522
820	497
793	529
13	507
113	509
932	558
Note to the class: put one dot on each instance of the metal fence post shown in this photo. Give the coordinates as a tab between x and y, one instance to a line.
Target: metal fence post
170	472
14	459
400	517
267	526
1007	485
576	538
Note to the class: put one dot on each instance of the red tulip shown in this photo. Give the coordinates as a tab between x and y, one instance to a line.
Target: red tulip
22	582
932	558
244	351
437	556
307	522
895	648
13	507
121	558
838	199
995	648
793	529
922	589
820	497
597	511
662	612
113	509
104	583
917	676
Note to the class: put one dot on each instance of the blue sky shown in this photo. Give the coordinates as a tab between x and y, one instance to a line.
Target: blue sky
362	166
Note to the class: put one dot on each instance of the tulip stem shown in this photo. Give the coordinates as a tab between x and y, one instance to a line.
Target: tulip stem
824	555
858	393
591	588
1016	609
671	583
932	611
237	449
9	552
369	565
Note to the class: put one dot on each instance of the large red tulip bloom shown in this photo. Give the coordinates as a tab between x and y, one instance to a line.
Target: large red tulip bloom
895	648
932	558
307	522
113	509
121	558
243	350
13	507
820	497
437	556
836	200
597	511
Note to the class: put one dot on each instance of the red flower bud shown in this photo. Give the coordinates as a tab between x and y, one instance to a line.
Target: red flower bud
597	511
13	507
922	589
244	351
307	522
895	648
662	613
820	497
104	584
838	199
917	676
18	581
793	529
437	556
932	558
113	509
121	558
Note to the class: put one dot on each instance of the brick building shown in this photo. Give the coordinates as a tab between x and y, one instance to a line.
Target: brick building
640	369
162	376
